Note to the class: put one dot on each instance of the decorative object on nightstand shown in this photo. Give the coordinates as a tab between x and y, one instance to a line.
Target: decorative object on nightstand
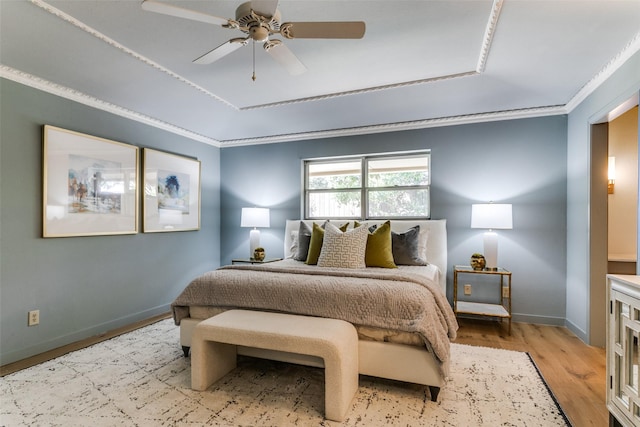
491	216
478	262
254	217
258	254
254	261
500	309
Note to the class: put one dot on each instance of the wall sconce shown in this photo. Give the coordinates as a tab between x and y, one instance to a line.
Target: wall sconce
491	216
611	175
254	217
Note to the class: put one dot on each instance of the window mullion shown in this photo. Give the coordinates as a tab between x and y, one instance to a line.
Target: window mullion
364	180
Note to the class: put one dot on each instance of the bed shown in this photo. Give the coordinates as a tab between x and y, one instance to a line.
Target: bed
404	321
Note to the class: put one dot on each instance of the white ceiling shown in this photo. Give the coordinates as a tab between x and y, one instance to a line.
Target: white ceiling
420	63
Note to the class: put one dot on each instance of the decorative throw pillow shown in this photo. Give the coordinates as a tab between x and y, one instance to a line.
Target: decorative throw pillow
405	247
343	249
304	238
315	244
379	252
294	244
422	243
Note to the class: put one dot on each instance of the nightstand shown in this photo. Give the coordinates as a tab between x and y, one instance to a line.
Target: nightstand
253	261
501	310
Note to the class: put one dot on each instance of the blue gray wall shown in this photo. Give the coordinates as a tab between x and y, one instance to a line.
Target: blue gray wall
586	301
84	286
522	162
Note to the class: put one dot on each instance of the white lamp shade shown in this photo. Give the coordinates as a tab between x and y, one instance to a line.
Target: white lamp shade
254	217
491	216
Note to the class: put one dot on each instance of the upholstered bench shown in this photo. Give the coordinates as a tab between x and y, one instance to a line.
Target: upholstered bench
214	342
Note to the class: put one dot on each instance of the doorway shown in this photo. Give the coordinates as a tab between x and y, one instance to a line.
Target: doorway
622	199
598	218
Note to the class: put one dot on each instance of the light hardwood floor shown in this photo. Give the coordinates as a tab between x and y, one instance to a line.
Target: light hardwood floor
575	372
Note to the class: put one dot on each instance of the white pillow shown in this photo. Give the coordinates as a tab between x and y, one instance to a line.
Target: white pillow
423	239
294	244
343	250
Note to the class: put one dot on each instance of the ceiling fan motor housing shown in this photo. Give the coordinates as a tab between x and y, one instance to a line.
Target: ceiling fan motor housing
257	26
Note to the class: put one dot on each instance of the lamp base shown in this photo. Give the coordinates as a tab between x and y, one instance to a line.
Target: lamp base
491	250
254	241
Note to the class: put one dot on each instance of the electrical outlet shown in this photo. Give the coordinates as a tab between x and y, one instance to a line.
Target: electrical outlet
467	289
505	292
34	317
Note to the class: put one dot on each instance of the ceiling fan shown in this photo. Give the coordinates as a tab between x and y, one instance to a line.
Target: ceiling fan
260	19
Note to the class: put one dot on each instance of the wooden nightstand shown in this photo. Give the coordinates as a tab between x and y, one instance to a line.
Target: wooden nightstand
500	310
253	261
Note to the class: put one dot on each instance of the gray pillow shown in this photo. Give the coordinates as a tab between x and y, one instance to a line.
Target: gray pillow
304	238
405	247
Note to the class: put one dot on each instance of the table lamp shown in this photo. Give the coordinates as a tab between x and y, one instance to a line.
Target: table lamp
491	216
254	217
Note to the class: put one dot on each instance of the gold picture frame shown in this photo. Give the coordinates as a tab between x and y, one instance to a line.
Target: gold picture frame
171	192
90	185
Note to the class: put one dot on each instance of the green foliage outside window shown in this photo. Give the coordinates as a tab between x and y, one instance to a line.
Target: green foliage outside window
395	187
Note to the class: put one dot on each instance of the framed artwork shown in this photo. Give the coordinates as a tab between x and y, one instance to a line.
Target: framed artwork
171	192
90	185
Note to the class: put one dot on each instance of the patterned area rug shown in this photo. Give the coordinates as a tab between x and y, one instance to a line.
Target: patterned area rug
142	379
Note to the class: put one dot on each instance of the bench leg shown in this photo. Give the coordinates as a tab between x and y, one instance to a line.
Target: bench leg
210	361
340	387
434	391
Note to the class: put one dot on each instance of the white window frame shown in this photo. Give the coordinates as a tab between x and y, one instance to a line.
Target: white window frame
364	185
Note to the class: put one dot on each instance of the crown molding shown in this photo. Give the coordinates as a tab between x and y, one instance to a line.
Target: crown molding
362	91
488	35
82	98
607	71
403	126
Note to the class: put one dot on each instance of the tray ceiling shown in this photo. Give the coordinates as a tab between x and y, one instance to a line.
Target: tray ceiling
420	63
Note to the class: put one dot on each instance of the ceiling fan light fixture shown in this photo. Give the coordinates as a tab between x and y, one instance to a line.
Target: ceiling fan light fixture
259	33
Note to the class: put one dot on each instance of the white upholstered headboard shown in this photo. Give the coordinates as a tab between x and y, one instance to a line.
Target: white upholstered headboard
436	239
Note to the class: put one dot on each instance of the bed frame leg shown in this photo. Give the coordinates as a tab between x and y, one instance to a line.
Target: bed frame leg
185	350
434	393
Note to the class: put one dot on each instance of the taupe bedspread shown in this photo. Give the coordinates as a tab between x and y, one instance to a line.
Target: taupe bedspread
385	298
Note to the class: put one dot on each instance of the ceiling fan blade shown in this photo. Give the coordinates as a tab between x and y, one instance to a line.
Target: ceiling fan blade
222	50
283	55
264	7
169	9
323	30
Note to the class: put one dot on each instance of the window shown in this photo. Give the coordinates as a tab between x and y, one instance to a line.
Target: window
384	186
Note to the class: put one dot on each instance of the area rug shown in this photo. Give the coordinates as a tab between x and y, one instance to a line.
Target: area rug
142	379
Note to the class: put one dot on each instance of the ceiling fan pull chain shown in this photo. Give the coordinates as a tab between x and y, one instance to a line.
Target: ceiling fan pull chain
253	77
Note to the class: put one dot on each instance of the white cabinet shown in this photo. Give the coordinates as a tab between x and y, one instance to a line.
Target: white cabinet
623	349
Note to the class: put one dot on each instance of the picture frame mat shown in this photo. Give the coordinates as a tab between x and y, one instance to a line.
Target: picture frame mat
65	214
159	215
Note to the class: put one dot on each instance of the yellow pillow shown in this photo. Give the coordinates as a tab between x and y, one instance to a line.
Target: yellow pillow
379	252
315	245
